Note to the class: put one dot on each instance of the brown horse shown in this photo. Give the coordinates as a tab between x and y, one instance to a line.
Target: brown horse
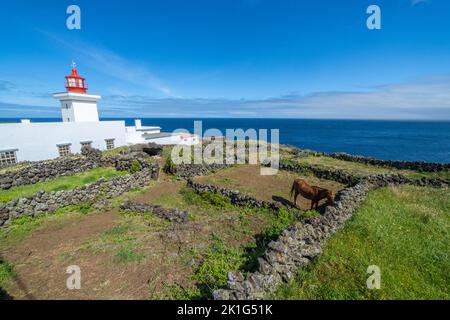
313	193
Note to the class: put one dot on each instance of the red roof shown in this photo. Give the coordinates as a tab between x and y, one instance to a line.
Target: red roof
75	74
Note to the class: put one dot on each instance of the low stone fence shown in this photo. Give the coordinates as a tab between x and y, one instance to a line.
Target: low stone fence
420	166
43	202
235	197
300	243
187	171
323	173
90	158
123	162
44	171
401	165
173	215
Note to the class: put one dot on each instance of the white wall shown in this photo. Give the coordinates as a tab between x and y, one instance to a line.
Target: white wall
79	111
38	141
85	111
77	107
135	136
174	140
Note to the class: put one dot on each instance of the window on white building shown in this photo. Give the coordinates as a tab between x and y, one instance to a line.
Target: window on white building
64	150
86	144
8	157
109	144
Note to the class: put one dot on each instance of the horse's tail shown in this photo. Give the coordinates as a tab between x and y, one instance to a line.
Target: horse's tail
292	188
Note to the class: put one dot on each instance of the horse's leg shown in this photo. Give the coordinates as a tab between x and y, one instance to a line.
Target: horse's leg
312	204
295	198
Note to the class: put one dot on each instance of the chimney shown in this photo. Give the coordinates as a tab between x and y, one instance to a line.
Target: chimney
138	124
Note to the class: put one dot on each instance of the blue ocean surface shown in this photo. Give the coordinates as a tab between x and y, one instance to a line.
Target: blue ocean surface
388	140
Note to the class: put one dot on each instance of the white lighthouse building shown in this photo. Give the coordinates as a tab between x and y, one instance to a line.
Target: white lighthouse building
33	141
76	104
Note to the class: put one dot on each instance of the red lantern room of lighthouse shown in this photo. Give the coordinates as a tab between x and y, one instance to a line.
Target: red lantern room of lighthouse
75	83
76	104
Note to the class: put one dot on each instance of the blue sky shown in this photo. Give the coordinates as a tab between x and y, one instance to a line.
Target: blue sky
233	58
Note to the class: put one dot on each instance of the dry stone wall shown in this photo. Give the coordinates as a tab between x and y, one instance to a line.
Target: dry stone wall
43	202
236	197
45	170
187	171
170	214
323	173
90	158
420	166
401	165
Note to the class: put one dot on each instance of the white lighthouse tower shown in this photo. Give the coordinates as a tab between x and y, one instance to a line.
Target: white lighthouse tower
76	104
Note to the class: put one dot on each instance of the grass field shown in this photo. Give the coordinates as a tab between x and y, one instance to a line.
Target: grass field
60	183
404	231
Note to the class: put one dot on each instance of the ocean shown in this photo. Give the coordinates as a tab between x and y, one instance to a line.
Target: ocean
388	140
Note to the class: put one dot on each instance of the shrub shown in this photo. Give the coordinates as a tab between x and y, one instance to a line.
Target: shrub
135	166
212	271
6	272
205	199
169	166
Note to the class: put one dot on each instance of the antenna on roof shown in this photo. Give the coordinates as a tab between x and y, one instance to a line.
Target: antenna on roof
74	64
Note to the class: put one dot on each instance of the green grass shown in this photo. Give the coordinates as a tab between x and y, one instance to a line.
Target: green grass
15	167
114	151
404	231
61	183
445	175
6	273
206	199
127	253
121	240
211	273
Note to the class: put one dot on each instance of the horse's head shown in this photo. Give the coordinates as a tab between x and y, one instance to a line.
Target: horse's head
330	197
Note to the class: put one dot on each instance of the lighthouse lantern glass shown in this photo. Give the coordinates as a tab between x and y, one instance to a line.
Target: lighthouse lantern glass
75	83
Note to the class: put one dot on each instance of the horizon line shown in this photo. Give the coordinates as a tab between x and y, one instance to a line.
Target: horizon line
247	118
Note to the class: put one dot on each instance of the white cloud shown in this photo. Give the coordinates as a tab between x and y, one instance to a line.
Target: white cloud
427	98
415	2
6	85
113	65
